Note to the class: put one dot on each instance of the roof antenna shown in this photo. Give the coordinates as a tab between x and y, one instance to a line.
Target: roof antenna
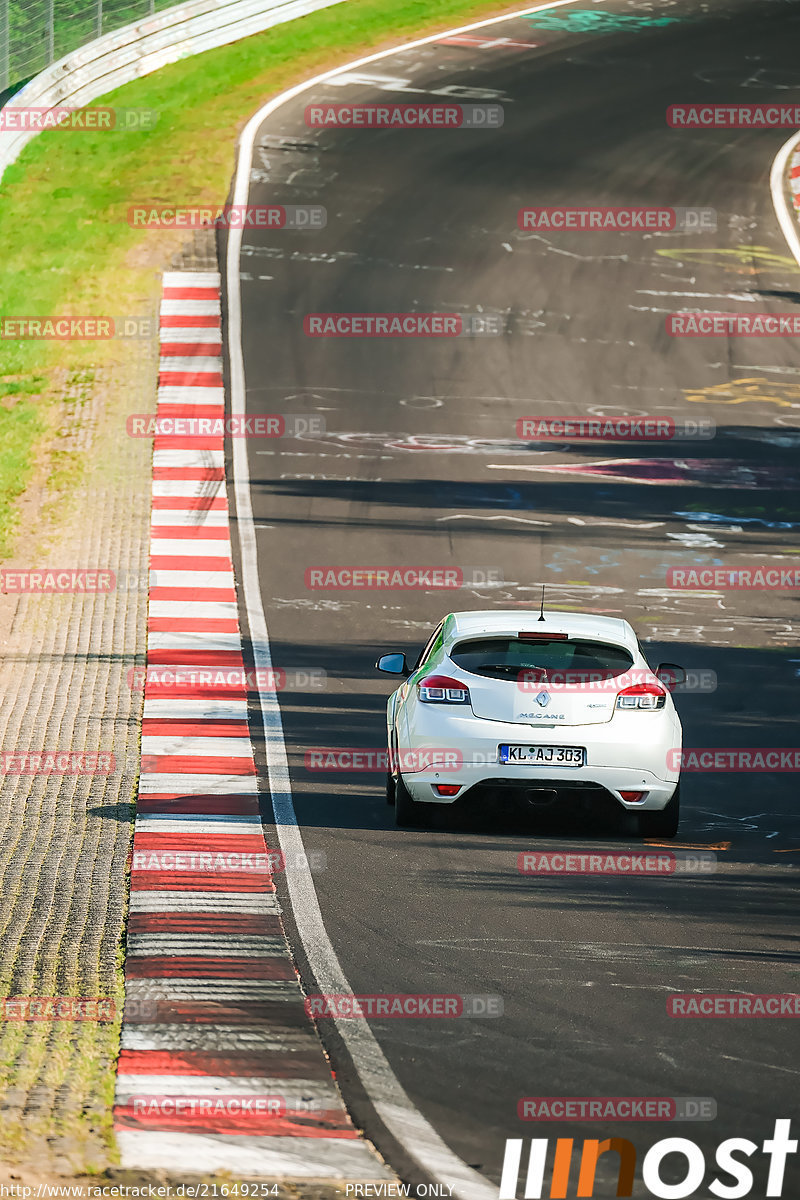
541	611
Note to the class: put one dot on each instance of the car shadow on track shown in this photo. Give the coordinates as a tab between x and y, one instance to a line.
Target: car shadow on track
752	704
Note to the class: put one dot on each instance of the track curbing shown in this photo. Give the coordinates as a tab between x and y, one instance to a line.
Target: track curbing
220	1068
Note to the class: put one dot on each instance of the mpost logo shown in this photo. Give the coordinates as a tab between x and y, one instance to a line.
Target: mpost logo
692	1160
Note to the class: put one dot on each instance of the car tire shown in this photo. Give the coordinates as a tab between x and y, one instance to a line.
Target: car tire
407	811
389	787
663	824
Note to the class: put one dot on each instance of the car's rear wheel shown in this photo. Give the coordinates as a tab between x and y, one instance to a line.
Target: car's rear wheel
663	824
389	787
407	811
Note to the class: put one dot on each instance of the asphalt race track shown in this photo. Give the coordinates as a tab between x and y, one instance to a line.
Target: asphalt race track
420	464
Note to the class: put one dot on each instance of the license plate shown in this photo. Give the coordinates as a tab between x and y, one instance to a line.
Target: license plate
553	756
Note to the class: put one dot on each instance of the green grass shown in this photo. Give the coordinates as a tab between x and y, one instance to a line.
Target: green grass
21	425
65	245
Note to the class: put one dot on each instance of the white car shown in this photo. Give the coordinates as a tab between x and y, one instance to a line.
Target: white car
537	707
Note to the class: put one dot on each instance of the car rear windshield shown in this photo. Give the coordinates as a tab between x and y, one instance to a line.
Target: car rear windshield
505	657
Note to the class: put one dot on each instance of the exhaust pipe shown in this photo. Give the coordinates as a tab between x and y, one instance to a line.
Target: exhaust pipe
541	797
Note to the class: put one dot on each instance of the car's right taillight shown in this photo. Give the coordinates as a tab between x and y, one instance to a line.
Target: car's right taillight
441	689
648	696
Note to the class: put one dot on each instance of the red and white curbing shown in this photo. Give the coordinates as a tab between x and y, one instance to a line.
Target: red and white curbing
220	1068
794	180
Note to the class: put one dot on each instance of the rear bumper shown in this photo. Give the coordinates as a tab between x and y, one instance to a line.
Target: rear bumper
632	752
480	782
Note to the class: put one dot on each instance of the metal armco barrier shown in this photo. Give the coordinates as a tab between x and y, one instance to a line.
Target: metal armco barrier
142	47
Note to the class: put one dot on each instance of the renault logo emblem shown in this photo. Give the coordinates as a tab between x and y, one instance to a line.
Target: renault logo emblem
543	698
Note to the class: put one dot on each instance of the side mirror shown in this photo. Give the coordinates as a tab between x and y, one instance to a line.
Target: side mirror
392	664
670	675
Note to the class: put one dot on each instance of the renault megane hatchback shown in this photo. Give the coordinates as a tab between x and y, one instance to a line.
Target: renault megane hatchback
534	706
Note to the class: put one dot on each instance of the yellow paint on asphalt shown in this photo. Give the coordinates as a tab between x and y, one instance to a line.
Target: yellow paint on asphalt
747	391
743	259
690	845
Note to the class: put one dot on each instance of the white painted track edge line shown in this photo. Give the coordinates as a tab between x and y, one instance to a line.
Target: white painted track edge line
783	211
392	1104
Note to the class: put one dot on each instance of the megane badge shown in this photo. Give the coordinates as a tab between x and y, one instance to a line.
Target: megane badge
543	698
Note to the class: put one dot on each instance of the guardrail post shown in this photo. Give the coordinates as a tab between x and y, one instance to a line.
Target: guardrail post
99	21
5	41
51	32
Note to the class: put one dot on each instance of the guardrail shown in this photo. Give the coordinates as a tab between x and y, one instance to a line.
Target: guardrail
34	33
142	47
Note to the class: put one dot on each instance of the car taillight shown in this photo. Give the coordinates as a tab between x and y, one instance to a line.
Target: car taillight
441	689
642	695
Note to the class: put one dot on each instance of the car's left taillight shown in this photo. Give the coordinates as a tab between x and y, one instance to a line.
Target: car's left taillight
441	689
648	696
